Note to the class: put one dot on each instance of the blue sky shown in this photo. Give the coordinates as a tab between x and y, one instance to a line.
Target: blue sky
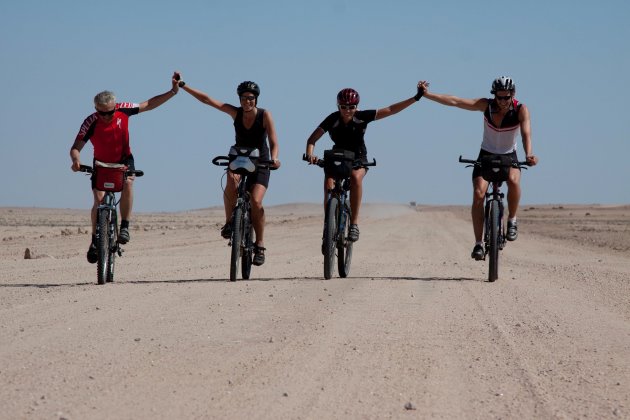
570	61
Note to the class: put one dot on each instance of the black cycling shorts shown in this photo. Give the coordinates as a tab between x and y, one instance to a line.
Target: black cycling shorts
477	170
261	177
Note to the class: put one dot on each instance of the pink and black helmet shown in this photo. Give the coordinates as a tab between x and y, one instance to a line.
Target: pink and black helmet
348	96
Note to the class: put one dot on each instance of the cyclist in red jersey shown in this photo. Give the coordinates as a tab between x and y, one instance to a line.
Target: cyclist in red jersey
504	116
253	126
346	128
108	131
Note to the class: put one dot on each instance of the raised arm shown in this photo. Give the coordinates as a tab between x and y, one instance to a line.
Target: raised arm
479	104
206	99
160	99
399	106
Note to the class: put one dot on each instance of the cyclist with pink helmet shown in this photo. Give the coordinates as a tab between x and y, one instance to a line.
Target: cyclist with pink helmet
346	128
504	117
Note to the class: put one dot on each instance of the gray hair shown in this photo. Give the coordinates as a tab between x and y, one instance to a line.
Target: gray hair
104	98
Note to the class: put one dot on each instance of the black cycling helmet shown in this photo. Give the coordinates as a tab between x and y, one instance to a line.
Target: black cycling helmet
348	96
503	83
248	86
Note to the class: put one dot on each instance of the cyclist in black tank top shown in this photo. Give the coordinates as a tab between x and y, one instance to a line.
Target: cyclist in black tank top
347	128
253	127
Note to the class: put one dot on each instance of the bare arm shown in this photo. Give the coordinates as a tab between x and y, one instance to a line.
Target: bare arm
397	107
526	135
310	144
273	138
75	154
160	99
204	98
479	104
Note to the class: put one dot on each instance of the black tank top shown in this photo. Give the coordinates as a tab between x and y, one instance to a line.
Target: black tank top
255	136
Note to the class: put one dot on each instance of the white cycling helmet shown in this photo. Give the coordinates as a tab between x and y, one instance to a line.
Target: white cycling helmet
503	83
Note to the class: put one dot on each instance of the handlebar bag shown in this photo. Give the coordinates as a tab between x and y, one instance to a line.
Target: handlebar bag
495	168
243	160
109	176
338	163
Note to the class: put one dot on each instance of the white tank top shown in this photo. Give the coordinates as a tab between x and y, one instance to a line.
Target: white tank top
500	140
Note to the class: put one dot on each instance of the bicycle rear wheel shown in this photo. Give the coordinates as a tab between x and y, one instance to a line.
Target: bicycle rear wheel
246	263
102	246
495	231
237	241
344	246
330	232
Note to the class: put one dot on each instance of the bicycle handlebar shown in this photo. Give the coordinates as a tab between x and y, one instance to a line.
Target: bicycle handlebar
89	170
520	165
356	163
225	161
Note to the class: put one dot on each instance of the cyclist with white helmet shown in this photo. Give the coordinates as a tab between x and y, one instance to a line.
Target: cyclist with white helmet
504	117
253	126
346	128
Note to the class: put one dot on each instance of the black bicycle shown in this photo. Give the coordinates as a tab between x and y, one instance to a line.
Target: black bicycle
110	177
243	161
338	164
494	169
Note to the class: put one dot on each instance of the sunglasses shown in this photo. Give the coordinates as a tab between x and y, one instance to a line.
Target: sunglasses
248	98
347	106
503	98
106	113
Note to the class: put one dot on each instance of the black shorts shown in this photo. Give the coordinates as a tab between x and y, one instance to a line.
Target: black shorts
477	170
128	161
261	177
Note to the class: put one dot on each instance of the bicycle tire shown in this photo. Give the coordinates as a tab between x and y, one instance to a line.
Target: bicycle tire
344	246
102	246
330	232
113	248
495	231
237	241
246	263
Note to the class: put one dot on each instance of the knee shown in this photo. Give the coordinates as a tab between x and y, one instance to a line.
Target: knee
478	196
256	204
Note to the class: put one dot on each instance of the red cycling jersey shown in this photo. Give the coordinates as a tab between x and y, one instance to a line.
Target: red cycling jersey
110	140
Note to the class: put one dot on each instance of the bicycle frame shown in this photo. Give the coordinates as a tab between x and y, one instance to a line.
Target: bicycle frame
241	240
494	228
493	194
106	232
336	222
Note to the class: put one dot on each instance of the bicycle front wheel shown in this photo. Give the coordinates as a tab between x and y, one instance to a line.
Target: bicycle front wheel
330	232
102	246
344	246
495	231
113	247
248	246
237	242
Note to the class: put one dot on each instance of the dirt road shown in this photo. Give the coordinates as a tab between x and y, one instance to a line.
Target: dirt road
415	332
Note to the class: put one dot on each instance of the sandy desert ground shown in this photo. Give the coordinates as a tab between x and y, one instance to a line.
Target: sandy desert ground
414	332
